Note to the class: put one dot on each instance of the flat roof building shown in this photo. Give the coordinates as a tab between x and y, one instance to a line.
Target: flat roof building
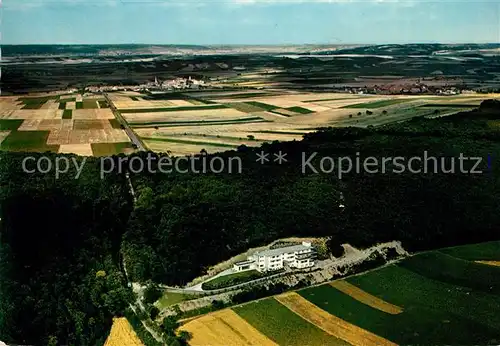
294	256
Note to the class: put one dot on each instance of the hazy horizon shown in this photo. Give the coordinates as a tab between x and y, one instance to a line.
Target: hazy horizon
249	44
250	22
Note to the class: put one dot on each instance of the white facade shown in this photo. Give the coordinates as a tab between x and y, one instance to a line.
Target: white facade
296	256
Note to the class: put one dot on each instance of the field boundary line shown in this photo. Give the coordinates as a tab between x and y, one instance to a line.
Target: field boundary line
365	297
331	324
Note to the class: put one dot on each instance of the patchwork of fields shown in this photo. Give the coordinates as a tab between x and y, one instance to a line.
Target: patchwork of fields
64	124
186	123
450	296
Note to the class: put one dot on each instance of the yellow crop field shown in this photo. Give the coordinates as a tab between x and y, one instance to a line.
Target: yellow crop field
366	298
224	327
490	263
33	114
79	149
122	334
191	115
329	323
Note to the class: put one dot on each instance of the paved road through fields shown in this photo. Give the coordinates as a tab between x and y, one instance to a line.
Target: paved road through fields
133	137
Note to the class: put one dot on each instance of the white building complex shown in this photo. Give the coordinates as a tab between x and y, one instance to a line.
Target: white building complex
294	256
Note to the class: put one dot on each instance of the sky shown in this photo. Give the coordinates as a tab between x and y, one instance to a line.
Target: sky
215	22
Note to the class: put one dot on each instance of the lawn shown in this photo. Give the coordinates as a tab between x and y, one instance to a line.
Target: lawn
10	124
109	149
475	252
263	106
299	110
28	141
173	109
378	104
415	325
283	326
171	298
67	114
231	279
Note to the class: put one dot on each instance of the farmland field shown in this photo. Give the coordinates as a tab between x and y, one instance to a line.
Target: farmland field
229	118
122	334
46	123
224	328
184	123
419	300
283	326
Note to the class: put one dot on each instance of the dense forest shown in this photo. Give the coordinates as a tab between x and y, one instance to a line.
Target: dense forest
59	247
61	240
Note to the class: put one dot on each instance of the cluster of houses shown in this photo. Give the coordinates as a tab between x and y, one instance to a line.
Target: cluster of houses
298	256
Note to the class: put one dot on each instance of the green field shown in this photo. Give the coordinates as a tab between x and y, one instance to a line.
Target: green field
378	104
28	141
115	123
476	252
231	279
445	300
79	105
262	106
173	109
67	114
283	326
10	124
456	271
109	149
62	105
299	110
